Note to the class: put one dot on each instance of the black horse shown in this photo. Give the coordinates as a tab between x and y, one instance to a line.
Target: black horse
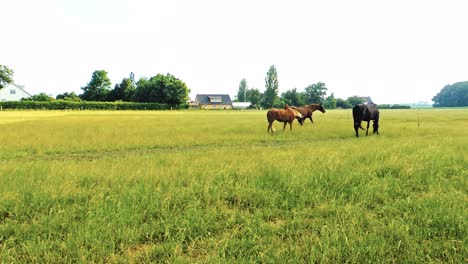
366	112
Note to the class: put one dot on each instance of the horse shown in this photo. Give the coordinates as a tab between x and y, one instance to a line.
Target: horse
286	116
366	112
307	110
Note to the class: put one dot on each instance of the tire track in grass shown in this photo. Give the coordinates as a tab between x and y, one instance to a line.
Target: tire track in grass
91	155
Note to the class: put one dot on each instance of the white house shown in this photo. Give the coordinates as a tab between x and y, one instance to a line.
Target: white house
13	92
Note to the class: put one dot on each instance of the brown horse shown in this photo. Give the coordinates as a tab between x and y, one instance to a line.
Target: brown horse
286	115
307	110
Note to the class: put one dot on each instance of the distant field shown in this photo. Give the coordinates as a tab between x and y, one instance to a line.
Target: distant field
214	186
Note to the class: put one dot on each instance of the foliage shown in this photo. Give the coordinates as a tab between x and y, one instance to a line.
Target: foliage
271	87
340	103
161	89
393	106
98	88
330	102
39	97
278	103
123	91
452	95
6	76
242	92
254	96
82	105
315	93
214	187
68	96
292	97
354	100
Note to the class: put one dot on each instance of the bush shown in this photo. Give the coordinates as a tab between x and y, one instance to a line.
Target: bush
394	106
86	105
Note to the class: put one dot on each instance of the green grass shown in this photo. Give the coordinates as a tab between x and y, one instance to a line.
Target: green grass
214	186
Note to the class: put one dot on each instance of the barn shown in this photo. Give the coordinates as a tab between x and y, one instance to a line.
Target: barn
214	101
13	92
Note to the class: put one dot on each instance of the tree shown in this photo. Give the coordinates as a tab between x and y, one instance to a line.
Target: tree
241	93
165	89
6	76
292	97
98	88
271	87
343	103
315	93
278	103
41	97
452	95
354	100
123	91
330	102
68	96
253	96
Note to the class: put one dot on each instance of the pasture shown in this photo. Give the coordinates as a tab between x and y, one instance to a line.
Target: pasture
214	186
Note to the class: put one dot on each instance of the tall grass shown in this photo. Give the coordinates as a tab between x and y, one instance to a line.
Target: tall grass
201	186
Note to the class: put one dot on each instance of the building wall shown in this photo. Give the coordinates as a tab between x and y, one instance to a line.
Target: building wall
241	105
11	92
209	106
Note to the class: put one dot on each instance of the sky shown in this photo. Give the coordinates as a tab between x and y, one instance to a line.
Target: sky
397	51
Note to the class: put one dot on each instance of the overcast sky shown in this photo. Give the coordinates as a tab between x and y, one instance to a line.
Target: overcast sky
398	51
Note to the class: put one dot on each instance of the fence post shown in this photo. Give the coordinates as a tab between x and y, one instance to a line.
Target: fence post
418	117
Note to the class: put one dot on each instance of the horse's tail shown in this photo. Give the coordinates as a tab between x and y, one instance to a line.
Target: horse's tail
358	116
359	125
270	116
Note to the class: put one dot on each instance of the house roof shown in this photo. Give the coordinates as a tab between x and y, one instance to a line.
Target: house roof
367	99
214	99
17	86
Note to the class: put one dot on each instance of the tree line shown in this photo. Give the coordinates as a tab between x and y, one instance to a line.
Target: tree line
161	89
312	94
167	89
455	95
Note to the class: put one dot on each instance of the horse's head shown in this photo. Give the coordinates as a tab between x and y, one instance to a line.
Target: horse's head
321	109
297	115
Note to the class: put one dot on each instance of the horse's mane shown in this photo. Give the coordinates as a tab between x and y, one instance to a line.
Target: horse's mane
296	113
293	108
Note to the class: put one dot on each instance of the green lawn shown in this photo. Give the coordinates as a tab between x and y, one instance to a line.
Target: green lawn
214	186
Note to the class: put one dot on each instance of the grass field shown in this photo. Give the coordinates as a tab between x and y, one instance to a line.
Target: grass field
215	187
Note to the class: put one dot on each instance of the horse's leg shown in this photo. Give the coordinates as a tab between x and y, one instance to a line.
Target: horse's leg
376	123
284	126
356	128
310	117
270	127
367	131
290	125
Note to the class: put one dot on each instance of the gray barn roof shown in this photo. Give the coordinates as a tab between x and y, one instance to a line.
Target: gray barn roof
213	99
366	99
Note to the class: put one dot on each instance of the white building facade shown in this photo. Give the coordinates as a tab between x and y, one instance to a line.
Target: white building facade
13	92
